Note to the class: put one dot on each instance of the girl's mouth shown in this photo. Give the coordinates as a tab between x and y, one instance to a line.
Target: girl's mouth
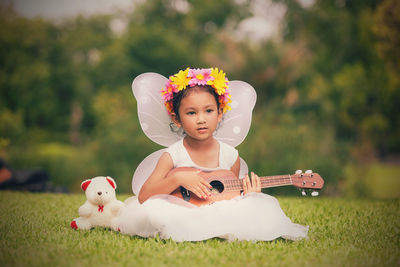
202	129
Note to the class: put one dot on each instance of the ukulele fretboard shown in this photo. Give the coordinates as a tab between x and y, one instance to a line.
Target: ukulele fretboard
266	182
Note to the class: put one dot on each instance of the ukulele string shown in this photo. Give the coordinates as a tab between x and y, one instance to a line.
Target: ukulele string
267	181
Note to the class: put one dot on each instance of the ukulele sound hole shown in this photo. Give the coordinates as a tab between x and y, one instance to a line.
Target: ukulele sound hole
217	185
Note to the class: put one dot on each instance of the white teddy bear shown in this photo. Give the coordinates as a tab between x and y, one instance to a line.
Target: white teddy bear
101	207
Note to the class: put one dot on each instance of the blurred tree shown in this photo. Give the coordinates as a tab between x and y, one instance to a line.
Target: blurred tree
339	38
387	30
329	84
27	47
84	40
386	27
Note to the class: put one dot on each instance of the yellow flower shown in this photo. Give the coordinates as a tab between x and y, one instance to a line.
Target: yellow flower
181	79
219	83
226	108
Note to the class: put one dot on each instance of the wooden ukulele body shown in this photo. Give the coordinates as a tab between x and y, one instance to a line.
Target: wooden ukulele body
218	180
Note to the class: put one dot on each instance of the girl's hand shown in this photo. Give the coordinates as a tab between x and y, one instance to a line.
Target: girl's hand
253	186
192	181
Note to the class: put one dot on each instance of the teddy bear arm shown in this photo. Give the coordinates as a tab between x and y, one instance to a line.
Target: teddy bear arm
117	205
85	210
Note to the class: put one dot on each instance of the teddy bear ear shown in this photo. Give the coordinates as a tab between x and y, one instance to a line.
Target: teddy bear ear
112	182
85	184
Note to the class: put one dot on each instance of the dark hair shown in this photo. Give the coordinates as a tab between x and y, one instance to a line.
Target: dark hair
176	101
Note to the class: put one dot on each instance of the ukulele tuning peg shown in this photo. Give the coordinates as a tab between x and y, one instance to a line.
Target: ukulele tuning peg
303	193
314	193
308	171
299	172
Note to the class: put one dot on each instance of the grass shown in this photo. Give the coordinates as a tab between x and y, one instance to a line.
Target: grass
34	231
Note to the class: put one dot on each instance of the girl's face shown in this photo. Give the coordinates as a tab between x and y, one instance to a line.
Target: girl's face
198	115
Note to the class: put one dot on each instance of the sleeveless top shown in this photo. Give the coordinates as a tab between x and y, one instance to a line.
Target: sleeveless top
181	158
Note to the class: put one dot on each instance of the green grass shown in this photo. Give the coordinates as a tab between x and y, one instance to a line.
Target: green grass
34	231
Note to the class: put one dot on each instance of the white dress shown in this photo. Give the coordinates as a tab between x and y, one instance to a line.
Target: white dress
255	216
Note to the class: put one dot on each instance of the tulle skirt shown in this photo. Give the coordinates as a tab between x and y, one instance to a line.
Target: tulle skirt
256	216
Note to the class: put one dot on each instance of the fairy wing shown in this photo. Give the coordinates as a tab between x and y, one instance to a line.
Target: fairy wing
236	122
153	116
144	170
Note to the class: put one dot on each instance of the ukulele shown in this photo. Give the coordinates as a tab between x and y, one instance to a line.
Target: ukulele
225	184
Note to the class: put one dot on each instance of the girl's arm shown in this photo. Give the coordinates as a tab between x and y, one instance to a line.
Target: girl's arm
157	182
160	182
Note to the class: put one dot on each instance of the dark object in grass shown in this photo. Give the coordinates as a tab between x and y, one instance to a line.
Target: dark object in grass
32	180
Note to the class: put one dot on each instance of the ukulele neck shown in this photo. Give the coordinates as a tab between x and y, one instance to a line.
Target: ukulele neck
266	182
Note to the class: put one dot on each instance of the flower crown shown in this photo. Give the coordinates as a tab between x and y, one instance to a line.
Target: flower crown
192	77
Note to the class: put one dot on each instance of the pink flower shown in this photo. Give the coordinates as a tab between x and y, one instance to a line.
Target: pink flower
168	92
199	76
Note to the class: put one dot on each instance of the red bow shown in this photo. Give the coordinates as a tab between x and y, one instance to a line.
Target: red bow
101	207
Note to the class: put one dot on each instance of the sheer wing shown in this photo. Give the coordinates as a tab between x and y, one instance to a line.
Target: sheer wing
153	116
236	122
144	170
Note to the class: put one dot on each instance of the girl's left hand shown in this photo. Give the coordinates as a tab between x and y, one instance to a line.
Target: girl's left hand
253	186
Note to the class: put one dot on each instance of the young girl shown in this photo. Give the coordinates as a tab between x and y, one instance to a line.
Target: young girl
196	100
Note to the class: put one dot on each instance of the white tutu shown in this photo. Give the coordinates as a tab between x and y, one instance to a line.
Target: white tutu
256	216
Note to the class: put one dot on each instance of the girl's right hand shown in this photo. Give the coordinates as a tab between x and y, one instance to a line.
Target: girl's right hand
192	181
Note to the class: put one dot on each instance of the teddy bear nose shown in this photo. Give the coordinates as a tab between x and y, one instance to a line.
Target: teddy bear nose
99	193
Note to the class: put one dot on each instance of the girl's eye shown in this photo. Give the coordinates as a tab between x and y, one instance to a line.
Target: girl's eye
191	113
209	110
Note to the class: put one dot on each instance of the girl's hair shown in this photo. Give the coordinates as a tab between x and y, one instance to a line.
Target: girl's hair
176	101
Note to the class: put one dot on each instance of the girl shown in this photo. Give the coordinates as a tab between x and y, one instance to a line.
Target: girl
196	100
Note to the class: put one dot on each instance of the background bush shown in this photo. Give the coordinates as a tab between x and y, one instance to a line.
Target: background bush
327	85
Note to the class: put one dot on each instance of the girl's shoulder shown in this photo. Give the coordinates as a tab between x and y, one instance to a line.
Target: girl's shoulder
177	146
178	153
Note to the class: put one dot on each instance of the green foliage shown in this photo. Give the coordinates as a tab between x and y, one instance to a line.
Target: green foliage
34	231
118	143
341	40
271	140
387	16
327	87
377	180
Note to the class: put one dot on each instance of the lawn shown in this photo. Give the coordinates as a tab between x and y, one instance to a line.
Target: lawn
34	231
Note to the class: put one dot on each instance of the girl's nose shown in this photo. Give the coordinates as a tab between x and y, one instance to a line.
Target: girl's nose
201	119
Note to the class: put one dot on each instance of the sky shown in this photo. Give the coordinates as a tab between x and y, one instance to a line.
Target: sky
264	24
56	9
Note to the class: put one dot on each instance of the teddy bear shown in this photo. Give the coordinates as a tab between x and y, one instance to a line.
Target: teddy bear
101	207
